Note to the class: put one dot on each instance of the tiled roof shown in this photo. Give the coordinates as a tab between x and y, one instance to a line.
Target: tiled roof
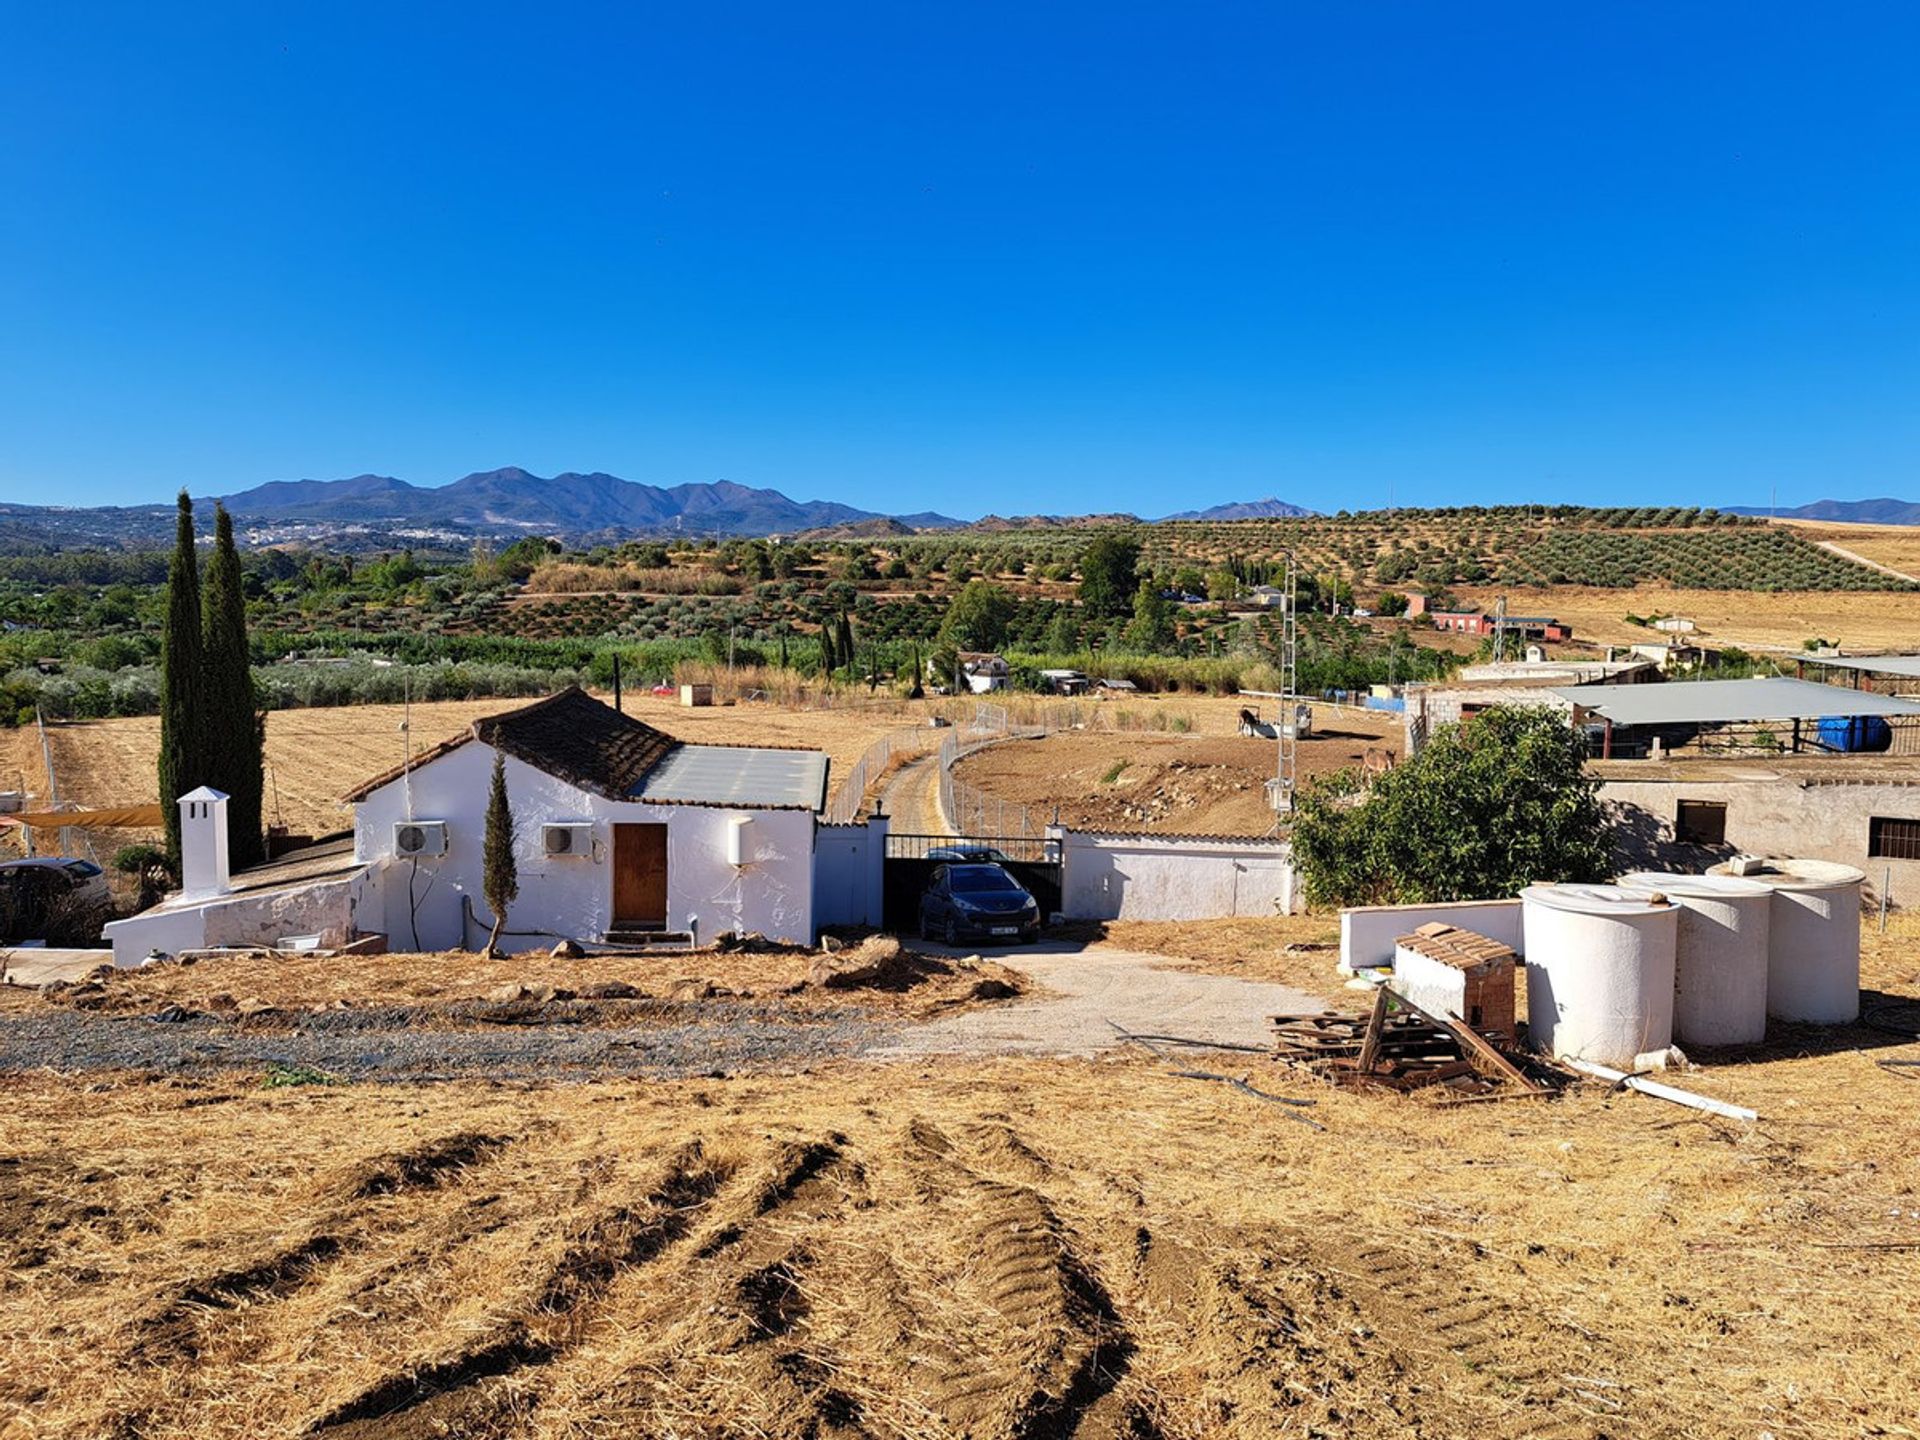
571	736
1449	945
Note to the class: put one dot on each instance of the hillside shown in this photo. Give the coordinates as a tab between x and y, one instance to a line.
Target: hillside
1851	512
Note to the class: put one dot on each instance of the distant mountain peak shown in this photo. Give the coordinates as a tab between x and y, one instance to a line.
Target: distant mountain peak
1267	509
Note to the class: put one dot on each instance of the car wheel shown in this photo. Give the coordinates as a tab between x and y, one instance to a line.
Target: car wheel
953	934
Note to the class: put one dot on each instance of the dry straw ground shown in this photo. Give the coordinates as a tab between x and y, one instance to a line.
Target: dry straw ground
967	1249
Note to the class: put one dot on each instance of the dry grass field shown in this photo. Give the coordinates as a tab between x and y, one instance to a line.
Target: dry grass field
1094	1249
1745	618
1895	546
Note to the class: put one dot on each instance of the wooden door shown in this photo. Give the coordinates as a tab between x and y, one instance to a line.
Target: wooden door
640	876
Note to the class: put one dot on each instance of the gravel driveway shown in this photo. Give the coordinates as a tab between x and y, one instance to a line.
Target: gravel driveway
1083	990
388	1042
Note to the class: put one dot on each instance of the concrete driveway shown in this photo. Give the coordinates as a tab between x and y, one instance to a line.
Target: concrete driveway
1080	991
25	965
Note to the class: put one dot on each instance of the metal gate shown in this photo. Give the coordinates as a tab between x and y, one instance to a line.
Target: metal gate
911	860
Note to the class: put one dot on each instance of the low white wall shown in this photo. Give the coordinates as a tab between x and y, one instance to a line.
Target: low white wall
847	873
1367	932
1173	877
332	909
169	932
572	896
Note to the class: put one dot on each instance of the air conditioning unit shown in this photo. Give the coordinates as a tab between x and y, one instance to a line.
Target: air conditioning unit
413	839
567	840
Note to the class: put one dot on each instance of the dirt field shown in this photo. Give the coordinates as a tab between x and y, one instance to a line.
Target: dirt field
1745	618
1174	784
984	1250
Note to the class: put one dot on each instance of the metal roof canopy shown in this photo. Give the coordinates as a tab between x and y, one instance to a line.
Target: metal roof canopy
738	775
1907	666
1710	702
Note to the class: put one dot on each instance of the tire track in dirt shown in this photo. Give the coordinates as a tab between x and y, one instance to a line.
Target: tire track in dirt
741	1291
1433	1308
1059	1347
451	1393
171	1330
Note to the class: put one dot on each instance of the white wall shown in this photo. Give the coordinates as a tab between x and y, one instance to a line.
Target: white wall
573	896
1173	877
335	910
1367	932
848	868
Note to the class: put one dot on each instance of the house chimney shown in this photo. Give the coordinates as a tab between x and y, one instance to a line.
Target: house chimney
203	844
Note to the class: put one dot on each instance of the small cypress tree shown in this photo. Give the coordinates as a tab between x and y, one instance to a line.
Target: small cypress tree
232	724
183	746
500	877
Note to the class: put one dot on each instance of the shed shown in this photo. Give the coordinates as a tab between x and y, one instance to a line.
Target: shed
1449	971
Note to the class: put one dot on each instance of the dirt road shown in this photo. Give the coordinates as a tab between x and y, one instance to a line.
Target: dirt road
912	798
1084	994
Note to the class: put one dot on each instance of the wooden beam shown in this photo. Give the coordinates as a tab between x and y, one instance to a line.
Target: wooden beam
1370	1043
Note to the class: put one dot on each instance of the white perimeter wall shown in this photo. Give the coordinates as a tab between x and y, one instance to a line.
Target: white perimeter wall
332	909
1172	877
847	873
1367	932
570	896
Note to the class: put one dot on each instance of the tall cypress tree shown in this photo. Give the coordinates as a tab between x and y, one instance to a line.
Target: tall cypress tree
234	762
183	745
499	874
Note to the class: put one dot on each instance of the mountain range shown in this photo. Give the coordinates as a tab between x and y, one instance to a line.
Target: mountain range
1851	512
1268	509
570	504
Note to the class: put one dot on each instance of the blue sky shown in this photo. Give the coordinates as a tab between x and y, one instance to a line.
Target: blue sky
967	257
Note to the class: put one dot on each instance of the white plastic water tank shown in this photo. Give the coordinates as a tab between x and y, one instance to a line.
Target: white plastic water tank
1720	963
1599	971
1813	946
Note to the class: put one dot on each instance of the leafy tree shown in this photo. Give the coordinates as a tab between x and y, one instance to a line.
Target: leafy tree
977	618
1152	626
232	721
1488	806
1063	632
1109	574
500	875
183	709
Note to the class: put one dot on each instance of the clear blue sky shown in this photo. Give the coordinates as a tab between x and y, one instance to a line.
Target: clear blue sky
967	257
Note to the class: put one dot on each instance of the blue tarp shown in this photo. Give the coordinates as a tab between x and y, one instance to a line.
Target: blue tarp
1856	734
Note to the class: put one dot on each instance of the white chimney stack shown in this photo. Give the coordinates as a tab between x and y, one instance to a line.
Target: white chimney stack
203	844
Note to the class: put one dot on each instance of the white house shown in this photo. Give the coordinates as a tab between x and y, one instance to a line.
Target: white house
980	671
620	832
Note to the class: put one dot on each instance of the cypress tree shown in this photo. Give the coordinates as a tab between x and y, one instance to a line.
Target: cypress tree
183	745
499	875
234	762
844	644
826	648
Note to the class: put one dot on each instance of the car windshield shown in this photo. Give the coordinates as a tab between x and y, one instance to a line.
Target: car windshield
971	879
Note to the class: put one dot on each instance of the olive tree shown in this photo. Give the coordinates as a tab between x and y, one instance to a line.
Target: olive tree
1488	806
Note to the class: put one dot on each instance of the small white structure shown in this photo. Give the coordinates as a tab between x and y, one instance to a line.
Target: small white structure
1720	962
1600	964
1446	971
1813	941
1368	932
1268	597
203	844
